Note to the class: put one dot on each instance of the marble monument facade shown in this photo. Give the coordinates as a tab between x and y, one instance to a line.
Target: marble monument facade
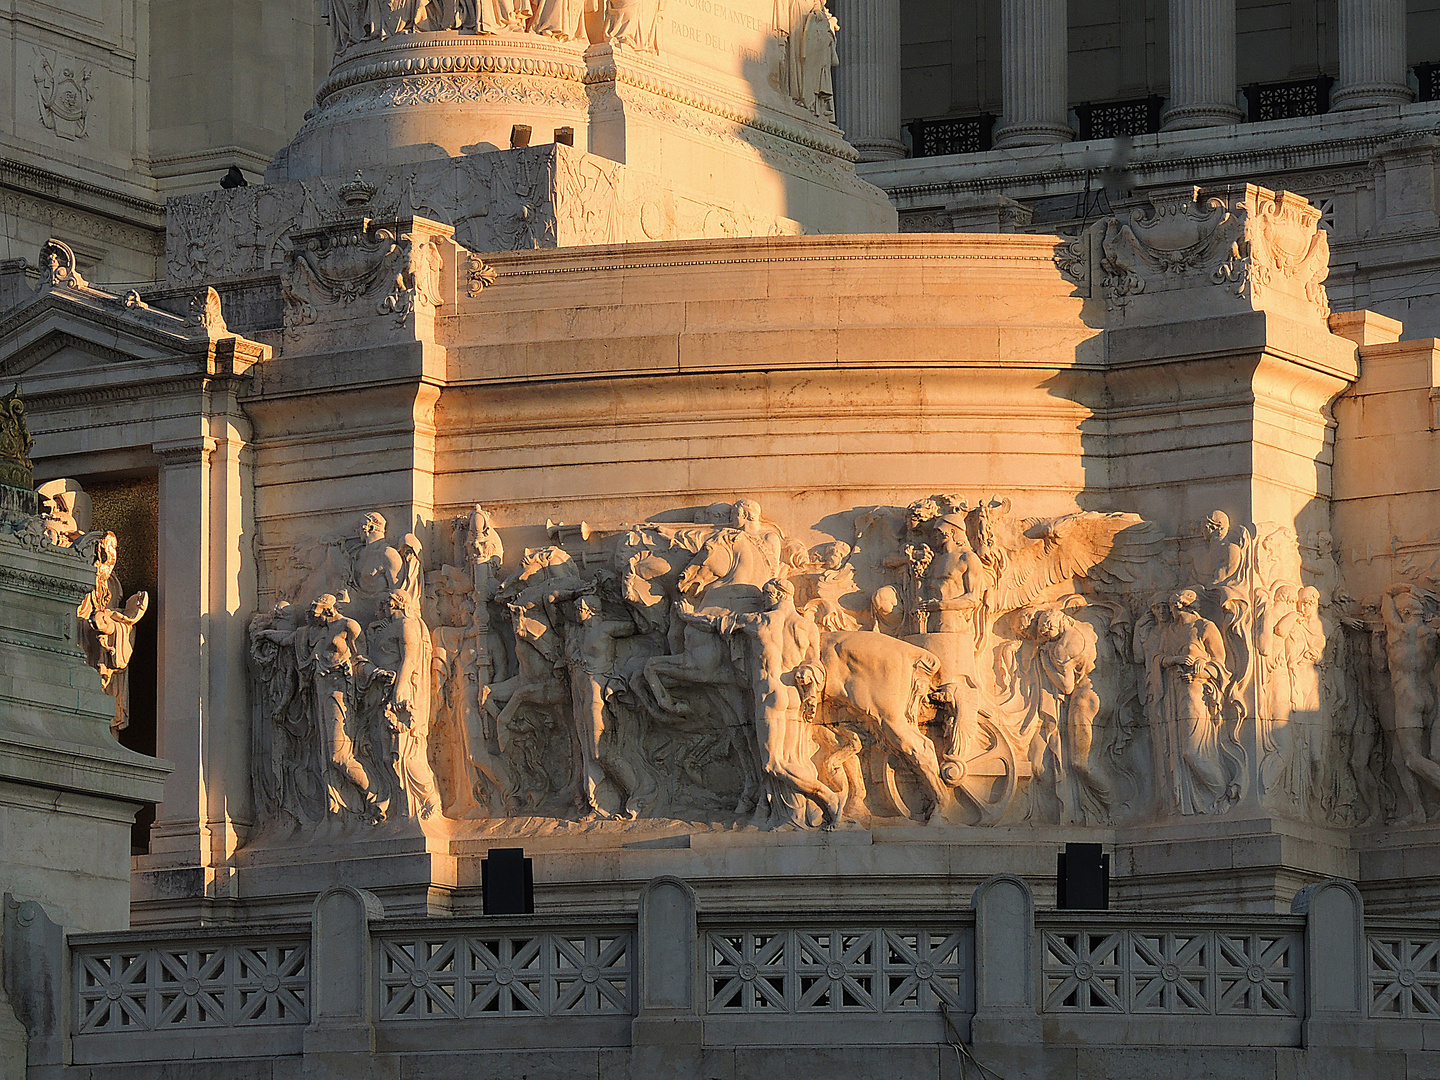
789	598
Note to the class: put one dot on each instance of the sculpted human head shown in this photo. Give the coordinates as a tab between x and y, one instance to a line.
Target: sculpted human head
953	528
921	512
1184	600
747	513
586	608
323	608
776	591
1286	594
1409	605
885	601
398	604
1308	600
833	556
372	527
1217	525
1049	624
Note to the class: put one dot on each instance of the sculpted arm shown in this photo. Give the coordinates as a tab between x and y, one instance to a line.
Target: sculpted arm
618	628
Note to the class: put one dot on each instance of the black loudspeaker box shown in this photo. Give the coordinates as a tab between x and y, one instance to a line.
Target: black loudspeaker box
507	880
1082	878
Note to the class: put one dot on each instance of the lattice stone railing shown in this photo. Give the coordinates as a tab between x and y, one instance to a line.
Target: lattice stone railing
837	969
838	979
431	974
206	983
1106	967
1404	974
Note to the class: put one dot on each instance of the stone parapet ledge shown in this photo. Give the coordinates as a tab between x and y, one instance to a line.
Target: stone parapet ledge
1014	990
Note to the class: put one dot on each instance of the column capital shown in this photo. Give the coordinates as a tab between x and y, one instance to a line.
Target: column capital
189	451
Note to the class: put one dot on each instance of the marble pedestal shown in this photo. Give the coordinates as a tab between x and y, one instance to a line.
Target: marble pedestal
68	791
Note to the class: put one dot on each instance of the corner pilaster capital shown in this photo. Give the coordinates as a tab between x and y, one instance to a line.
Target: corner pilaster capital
189	451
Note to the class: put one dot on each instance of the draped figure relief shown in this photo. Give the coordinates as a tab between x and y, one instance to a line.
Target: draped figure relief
632	24
944	661
107	628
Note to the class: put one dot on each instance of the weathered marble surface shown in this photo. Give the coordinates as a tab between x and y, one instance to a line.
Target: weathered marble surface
511	200
617	414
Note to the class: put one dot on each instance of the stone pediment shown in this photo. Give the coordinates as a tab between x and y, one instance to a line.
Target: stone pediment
67	333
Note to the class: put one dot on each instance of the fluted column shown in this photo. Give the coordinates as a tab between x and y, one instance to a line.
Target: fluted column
1372	55
867	83
1202	65
1035	73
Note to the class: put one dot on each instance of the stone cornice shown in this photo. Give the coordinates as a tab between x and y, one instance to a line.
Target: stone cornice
131	391
39	584
1156	160
36	181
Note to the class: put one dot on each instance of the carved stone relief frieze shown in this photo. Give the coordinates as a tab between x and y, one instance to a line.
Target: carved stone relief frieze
948	661
631	24
495	202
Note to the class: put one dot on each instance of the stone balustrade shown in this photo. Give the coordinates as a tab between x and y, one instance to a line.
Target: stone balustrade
356	981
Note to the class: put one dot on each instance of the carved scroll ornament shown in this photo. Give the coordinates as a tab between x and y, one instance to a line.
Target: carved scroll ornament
16	469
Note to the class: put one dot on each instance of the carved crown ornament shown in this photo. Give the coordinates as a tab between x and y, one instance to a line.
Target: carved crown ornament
1254	244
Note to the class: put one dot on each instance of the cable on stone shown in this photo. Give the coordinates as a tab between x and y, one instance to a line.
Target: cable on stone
962	1052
